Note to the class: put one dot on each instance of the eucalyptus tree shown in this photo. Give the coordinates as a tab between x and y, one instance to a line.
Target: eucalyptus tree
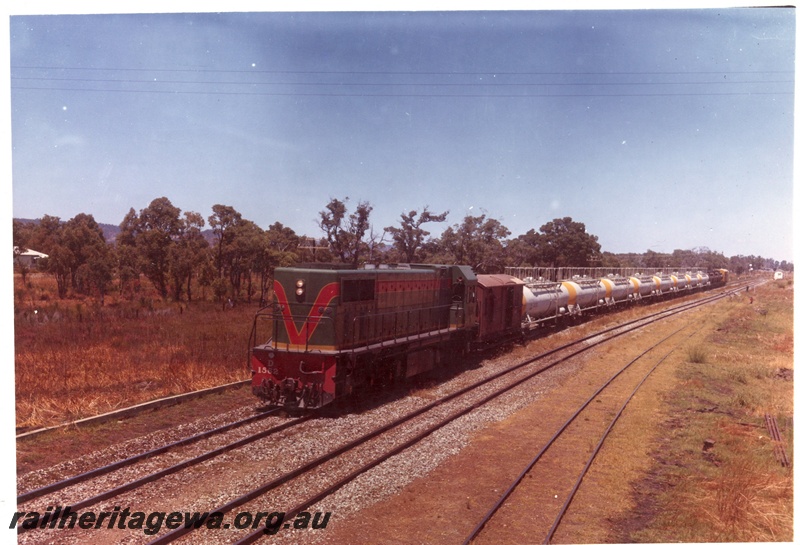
478	241
281	249
188	254
243	253
48	237
223	223
153	232
409	237
91	259
345	232
160	227
562	242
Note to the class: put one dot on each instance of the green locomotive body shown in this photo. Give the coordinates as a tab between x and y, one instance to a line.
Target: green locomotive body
333	331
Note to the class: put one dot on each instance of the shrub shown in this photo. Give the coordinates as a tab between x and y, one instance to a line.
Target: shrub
697	354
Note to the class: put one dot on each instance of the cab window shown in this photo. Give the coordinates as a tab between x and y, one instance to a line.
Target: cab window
358	290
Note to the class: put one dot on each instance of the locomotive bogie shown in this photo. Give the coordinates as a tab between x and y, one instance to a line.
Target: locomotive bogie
293	378
422	361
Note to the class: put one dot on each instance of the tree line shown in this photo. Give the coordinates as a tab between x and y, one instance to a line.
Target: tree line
233	258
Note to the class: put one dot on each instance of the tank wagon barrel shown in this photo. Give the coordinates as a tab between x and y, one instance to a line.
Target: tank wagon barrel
547	299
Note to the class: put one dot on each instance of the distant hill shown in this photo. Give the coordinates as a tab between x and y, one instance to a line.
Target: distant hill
110	232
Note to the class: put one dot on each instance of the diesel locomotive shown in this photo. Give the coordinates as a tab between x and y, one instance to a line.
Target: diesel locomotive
332	331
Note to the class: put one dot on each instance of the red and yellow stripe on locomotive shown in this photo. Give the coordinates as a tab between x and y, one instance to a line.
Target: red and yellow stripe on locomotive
333	331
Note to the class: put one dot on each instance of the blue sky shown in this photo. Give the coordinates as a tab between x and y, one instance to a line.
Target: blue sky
658	129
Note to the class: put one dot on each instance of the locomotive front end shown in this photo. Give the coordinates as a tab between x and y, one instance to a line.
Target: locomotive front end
296	365
292	379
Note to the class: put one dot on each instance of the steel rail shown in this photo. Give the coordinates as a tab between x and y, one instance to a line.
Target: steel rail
504	497
187	463
778	442
237	502
41	491
133	410
568	501
179	466
257	534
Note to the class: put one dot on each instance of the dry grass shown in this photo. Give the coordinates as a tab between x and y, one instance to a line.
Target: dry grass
734	490
746	502
697	354
75	358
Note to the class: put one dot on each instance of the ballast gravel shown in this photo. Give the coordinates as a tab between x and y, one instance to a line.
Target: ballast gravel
218	481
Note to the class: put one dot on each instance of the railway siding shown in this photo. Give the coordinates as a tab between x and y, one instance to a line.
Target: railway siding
128	412
67	450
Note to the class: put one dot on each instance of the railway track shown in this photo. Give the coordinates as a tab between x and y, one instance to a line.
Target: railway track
397	435
25	498
108	468
128	412
399	442
615	393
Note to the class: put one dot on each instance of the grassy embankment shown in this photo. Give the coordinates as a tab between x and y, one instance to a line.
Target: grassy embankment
733	488
75	358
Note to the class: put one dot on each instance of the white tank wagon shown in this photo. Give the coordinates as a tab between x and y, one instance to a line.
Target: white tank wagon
664	283
583	294
643	286
545	300
680	281
542	299
699	279
618	289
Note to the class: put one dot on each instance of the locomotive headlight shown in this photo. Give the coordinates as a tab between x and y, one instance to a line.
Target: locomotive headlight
300	289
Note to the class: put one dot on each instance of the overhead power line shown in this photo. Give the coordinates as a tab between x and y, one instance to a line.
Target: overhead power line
399	73
405	80
402	84
407	95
